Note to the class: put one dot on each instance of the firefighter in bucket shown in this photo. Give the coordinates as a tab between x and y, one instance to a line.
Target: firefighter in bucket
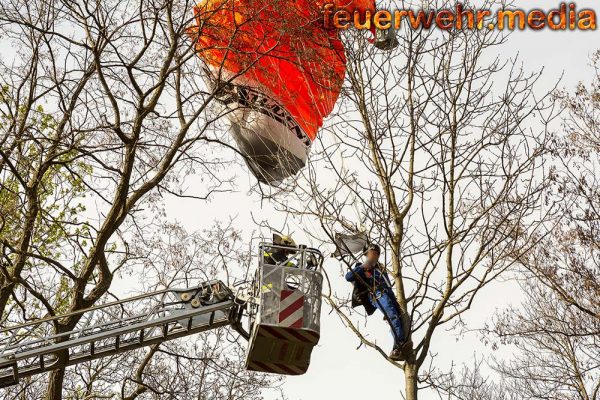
287	325
282	253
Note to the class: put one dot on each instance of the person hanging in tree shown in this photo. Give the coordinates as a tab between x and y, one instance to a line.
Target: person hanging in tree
373	290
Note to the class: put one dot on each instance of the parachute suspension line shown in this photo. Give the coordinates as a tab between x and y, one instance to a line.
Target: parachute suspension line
354	197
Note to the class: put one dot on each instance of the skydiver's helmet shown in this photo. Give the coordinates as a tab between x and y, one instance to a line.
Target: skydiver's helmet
374	247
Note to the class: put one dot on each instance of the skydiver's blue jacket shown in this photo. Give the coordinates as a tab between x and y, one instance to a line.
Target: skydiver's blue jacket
384	299
379	281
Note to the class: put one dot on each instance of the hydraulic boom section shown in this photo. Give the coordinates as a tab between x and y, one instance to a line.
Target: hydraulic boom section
283	307
114	328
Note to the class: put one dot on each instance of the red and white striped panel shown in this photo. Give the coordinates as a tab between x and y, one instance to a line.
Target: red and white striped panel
289	334
276	368
291	308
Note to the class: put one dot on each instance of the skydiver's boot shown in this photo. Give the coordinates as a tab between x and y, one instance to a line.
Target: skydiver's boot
396	354
400	350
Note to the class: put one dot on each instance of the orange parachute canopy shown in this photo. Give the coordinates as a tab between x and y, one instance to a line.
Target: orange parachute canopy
280	47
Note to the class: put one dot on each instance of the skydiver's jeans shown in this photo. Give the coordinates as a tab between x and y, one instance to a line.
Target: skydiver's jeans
389	308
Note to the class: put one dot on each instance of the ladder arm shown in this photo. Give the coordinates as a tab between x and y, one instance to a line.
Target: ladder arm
117	327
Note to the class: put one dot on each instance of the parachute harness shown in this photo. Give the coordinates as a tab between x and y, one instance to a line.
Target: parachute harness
372	290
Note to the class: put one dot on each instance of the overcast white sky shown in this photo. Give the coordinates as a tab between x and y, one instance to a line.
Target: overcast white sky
338	369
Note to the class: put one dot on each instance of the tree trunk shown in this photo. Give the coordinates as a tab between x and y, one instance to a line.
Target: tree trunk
55	383
411	373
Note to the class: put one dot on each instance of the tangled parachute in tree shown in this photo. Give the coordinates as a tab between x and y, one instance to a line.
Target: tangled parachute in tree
279	72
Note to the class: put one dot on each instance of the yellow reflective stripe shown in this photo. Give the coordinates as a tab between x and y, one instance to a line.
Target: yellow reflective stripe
267	287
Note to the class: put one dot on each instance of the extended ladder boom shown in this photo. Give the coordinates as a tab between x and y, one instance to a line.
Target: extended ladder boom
114	328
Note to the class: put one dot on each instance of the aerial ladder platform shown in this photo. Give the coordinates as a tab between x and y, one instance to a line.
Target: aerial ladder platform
282	307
